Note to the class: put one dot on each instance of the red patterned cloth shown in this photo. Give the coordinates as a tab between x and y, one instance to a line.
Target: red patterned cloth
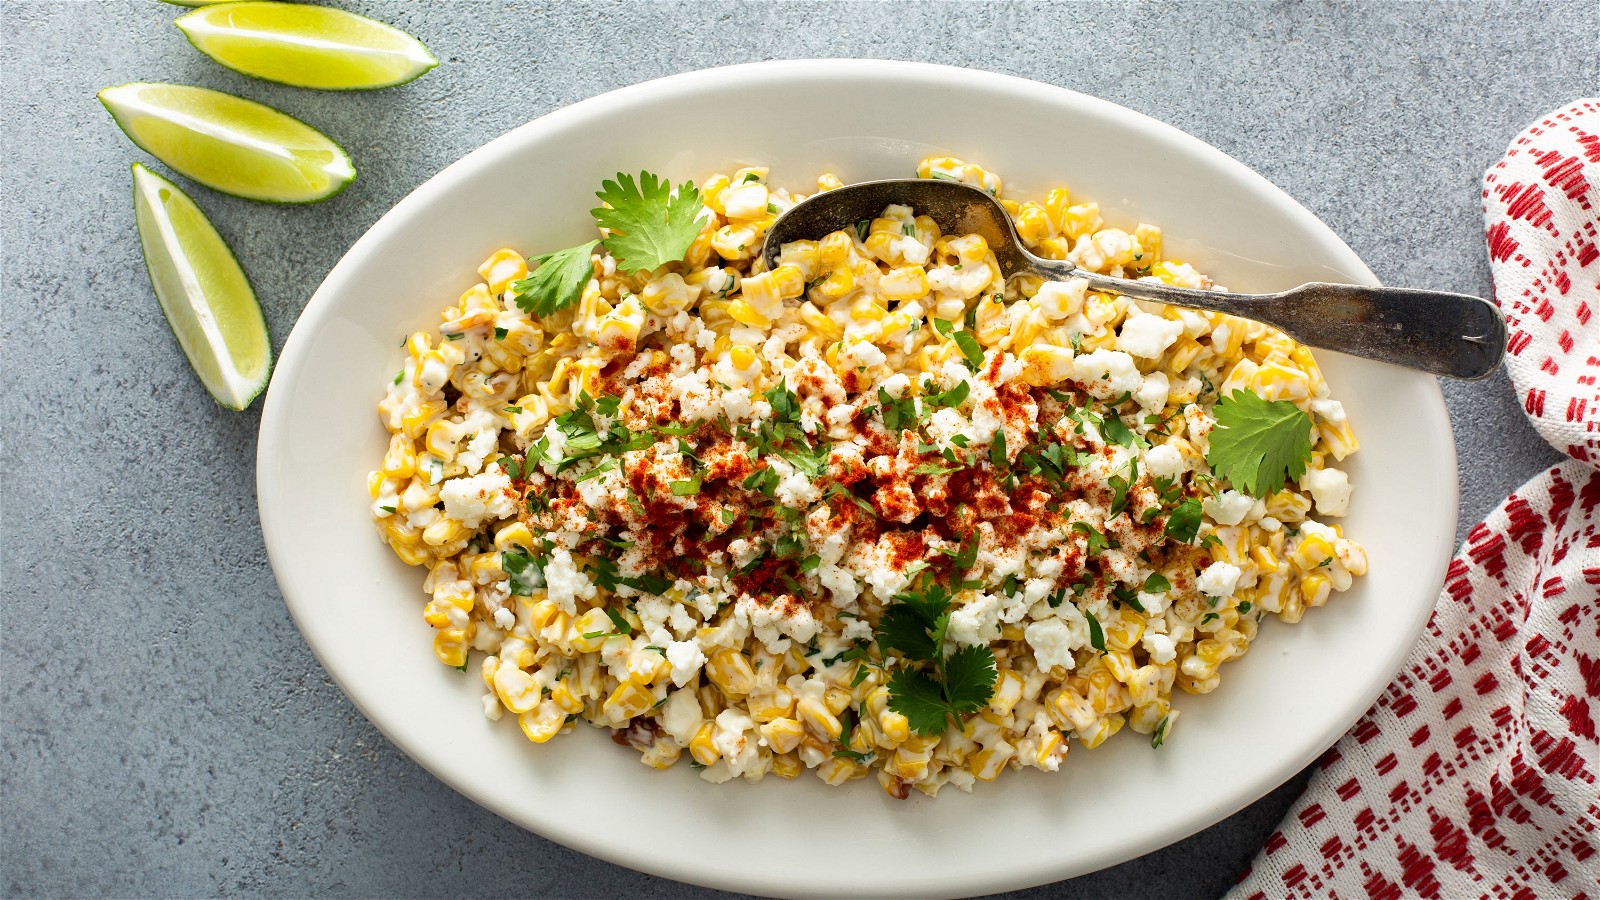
1477	773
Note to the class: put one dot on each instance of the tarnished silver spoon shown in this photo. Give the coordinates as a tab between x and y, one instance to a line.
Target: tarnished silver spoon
1442	333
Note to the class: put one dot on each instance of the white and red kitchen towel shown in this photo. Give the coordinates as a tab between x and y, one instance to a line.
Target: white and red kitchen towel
1477	773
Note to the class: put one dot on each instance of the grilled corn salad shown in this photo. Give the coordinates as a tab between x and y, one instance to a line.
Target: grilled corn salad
875	511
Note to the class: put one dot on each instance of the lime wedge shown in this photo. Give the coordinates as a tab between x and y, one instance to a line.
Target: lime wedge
306	46
234	145
207	299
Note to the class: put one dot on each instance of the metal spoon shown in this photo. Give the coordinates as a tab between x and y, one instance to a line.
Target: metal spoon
1442	333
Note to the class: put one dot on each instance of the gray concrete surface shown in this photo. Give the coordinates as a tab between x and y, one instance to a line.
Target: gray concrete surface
165	729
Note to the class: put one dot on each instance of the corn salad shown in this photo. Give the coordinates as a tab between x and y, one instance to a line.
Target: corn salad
680	508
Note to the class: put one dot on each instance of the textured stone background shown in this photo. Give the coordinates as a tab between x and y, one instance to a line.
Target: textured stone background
165	729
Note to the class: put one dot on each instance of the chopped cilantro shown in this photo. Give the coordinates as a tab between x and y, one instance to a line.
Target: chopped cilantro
965	342
1096	539
526	572
1184	522
1097	638
1117	432
1160	735
616	618
897	414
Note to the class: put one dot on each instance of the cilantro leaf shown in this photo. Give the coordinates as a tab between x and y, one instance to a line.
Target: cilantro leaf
623	628
1259	444
1120	487
965	342
1097	638
1160	736
941	630
650	225
902	628
951	398
526	573
1184	523
968	555
558	281
969	676
997	449
1096	539
917	696
897	415
1117	432
1156	584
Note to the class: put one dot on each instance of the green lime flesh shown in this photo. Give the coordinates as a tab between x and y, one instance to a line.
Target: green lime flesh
230	144
203	292
306	46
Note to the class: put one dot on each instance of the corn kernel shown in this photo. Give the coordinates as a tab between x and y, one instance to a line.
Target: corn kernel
731	672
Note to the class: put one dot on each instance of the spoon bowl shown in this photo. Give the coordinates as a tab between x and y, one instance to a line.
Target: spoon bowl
1454	335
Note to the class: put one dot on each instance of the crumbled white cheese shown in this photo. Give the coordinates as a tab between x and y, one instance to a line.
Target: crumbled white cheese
473	500
1331	489
1052	643
565	583
1228	508
735	738
681	716
736	403
1152	394
1164	461
1059	299
686	658
976	623
1106	373
1329	410
862	354
1147	336
1160	648
1219	579
857	629
839	583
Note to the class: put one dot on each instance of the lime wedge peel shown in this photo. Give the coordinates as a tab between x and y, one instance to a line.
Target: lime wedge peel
205	295
230	144
306	46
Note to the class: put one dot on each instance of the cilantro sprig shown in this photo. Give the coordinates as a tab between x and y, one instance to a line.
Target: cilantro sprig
557	282
1259	444
650	223
959	686
956	685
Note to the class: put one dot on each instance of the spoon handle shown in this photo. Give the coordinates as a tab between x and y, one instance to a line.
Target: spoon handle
1454	335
